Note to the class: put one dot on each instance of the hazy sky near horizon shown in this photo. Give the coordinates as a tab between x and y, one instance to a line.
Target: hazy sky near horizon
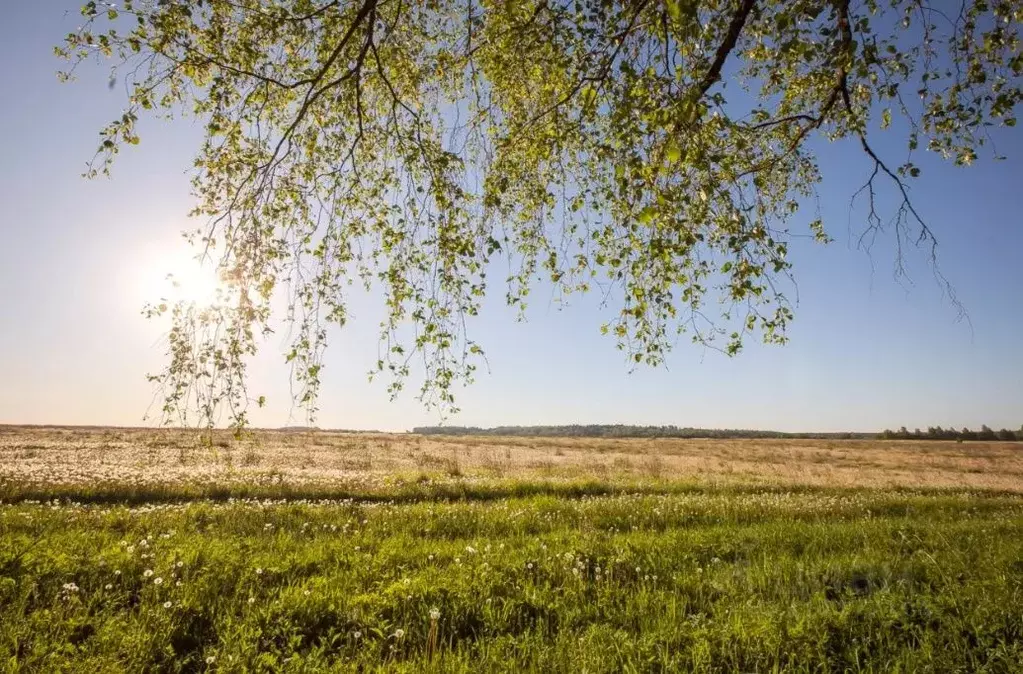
79	258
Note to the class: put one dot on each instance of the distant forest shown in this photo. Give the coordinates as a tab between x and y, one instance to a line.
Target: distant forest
625	431
939	433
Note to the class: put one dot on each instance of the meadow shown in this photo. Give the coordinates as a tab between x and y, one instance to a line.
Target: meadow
143	550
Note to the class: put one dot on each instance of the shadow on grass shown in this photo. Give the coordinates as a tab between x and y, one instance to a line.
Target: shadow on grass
117	493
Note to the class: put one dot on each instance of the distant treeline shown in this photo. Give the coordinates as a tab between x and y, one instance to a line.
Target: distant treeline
625	431
939	433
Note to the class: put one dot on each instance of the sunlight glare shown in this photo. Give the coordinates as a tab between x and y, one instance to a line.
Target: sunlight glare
180	277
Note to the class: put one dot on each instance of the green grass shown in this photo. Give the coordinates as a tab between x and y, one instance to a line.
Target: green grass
571	581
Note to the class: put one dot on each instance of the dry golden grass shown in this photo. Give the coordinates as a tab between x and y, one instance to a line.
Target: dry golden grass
153	456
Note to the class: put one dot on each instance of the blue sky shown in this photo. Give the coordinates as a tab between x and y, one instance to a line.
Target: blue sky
79	258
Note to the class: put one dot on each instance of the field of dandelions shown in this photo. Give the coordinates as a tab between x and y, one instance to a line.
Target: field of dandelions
145	551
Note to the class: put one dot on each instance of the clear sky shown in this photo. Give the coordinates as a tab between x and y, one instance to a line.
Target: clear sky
79	258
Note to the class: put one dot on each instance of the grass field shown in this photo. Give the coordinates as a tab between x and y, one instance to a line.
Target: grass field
151	551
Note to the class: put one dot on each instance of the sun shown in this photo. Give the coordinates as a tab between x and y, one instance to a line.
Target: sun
178	276
196	286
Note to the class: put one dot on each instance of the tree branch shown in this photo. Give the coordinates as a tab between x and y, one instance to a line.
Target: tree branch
368	9
725	48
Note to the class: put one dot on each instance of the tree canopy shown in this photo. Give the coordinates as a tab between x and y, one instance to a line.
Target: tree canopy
654	151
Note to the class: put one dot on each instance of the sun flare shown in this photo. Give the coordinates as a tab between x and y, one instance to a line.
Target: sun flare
181	277
198	285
